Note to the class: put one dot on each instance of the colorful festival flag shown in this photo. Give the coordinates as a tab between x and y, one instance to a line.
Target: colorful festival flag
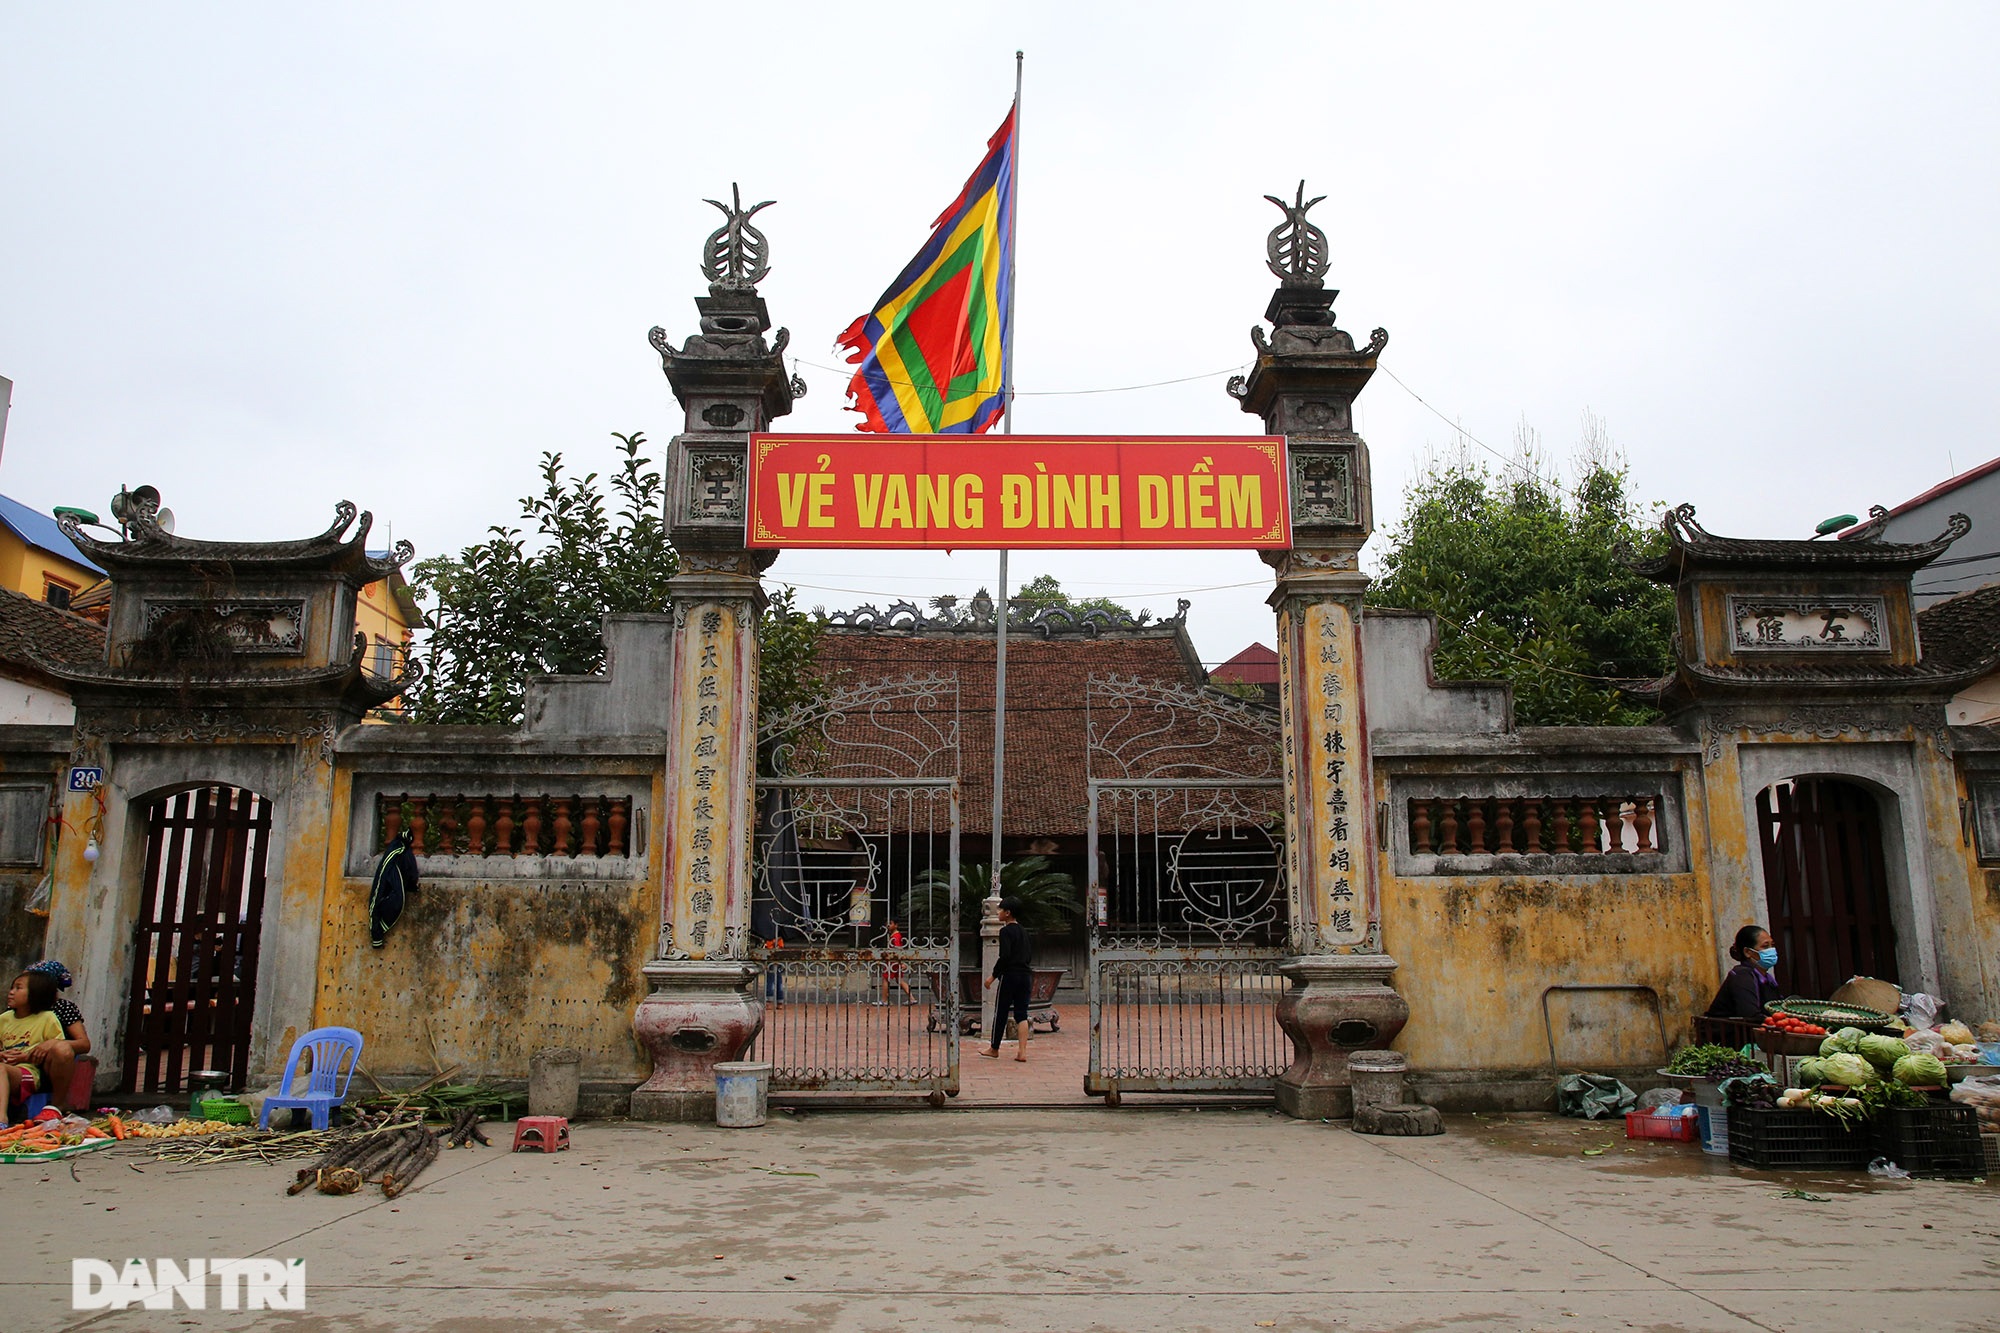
933	352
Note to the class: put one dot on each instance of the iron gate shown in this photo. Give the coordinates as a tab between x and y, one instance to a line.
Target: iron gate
1188	900
194	970
855	904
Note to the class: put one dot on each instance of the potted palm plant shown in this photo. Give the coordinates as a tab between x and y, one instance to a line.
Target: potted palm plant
1048	903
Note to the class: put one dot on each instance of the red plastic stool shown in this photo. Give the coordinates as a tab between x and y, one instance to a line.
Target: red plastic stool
541	1133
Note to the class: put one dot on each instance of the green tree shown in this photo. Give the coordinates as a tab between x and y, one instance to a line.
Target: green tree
1534	585
531	600
1045	590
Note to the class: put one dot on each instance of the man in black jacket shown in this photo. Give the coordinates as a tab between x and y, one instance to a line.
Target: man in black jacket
1013	971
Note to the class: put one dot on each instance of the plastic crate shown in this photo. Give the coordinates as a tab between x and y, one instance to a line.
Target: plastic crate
1991	1143
1673	1128
1937	1140
1770	1139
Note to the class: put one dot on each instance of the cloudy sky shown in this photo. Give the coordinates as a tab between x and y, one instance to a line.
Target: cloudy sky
266	257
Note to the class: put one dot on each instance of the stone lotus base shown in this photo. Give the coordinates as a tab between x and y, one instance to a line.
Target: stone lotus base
1401	1121
700	1014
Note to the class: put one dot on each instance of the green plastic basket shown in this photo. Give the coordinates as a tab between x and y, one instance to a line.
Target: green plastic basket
226	1109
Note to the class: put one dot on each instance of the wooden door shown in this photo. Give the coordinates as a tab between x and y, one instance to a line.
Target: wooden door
194	969
1825	885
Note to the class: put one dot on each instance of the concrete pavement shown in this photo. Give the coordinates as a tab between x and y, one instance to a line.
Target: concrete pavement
1086	1219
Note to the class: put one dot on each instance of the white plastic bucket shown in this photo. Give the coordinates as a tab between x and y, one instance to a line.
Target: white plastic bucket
742	1093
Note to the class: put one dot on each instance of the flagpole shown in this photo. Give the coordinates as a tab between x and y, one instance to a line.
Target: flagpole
990	917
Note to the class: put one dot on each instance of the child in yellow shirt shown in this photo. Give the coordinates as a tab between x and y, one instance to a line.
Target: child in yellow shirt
28	1021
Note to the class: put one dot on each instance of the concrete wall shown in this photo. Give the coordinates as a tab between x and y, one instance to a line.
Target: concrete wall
1979	500
33	758
25	705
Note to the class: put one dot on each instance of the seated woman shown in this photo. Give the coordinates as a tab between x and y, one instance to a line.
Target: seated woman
1749	985
57	1057
27	1022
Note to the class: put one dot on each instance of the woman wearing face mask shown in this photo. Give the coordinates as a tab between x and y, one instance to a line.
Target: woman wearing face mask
1749	985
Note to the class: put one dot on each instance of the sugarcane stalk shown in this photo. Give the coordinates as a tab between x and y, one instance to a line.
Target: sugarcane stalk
424	1154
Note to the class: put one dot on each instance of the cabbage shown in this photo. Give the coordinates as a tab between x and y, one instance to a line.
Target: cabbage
1920	1071
1812	1072
1847	1039
1850	1071
1882	1052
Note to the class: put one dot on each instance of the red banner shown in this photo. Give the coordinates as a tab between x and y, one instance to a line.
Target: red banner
1062	492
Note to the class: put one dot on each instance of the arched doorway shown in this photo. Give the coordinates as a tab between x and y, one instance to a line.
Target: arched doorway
1826	885
194	969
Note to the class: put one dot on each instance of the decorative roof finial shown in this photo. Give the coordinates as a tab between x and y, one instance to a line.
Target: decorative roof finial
736	256
1297	249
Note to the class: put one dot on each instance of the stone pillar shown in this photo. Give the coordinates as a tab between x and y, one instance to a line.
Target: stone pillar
702	1009
1303	386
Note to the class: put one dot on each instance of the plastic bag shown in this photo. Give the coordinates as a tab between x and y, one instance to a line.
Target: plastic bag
1922	1010
1593	1096
156	1115
1660	1098
1884	1169
1983	1096
1925	1042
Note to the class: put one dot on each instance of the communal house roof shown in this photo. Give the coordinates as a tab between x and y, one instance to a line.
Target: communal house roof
1050	667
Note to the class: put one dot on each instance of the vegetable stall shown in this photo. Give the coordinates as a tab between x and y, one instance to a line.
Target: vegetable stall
1839	1085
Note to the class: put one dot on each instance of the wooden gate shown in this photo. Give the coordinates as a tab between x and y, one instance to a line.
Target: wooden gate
194	970
1825	885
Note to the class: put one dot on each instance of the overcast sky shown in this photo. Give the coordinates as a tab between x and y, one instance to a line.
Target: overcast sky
268	257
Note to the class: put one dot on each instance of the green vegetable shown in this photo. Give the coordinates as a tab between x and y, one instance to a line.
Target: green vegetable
1712	1062
1882	1052
1845	1040
1812	1072
1881	1096
1850	1071
1921	1070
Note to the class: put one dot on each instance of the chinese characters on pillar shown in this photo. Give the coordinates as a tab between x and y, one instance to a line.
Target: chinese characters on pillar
1328	801
704	795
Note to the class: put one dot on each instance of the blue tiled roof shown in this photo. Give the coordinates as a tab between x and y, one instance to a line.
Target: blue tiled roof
40	531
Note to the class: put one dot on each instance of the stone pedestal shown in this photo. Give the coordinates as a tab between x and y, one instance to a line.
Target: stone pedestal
700	1014
1379	1108
1337	1004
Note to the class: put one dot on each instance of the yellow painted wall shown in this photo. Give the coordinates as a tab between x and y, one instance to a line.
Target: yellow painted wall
380	614
487	972
1475	954
23	568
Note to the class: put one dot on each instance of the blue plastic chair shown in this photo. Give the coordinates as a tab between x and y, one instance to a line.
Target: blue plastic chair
326	1087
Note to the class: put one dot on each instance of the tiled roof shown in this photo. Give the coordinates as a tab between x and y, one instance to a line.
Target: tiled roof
1961	632
1691	545
1047	775
35	636
1255	665
150	546
40	531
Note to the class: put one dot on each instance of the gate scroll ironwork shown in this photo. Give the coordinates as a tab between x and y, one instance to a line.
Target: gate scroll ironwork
855	877
1189	905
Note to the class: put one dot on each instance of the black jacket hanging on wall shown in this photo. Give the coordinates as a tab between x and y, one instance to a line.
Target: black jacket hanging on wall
395	880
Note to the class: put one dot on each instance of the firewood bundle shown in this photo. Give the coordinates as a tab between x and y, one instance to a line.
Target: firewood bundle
395	1154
